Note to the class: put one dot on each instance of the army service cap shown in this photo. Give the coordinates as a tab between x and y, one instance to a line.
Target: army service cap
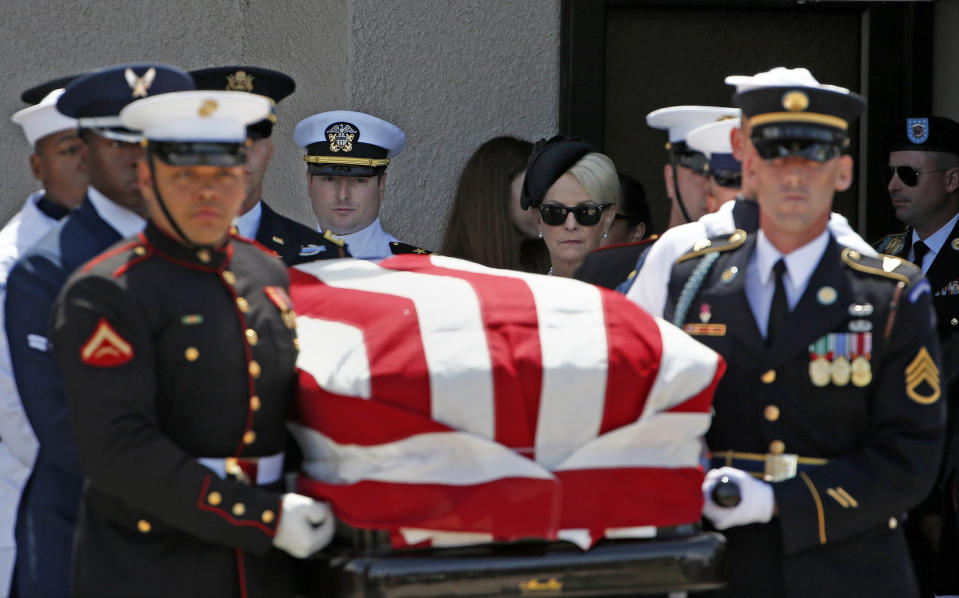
193	128
928	133
96	99
43	119
251	79
348	143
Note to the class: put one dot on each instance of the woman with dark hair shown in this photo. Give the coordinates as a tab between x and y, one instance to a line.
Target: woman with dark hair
486	224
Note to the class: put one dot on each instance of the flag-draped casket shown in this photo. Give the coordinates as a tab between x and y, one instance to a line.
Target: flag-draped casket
450	403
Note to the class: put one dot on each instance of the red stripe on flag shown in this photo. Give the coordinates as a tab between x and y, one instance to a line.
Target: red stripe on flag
703	401
398	370
635	349
512	333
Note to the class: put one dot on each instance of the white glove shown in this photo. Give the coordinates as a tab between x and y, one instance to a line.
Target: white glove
757	502
306	525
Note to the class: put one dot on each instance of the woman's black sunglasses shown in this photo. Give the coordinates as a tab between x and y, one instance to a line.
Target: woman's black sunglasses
907	174
586	215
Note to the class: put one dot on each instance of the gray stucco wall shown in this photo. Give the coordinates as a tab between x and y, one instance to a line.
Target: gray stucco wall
450	73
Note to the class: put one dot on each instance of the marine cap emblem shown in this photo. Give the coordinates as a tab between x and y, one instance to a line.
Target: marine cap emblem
917	130
795	101
239	81
341	136
207	108
140	85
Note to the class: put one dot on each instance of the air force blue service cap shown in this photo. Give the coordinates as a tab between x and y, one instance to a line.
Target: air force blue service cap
96	99
43	119
713	140
251	79
792	114
348	143
927	133
678	121
196	128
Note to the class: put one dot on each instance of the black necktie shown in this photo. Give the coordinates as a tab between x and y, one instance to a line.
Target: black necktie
779	310
920	249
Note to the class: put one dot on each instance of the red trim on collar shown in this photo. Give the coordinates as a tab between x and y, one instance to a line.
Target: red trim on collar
108	254
156	250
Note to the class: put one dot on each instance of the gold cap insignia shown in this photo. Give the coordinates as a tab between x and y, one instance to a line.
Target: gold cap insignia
239	81
921	370
140	85
795	101
207	108
341	136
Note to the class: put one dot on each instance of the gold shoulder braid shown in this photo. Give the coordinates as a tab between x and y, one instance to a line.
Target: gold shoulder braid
704	246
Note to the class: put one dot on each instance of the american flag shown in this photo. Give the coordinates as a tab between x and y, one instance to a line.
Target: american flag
451	403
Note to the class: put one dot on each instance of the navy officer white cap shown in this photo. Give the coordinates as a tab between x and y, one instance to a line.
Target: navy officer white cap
680	120
372	130
42	119
779	77
214	116
713	138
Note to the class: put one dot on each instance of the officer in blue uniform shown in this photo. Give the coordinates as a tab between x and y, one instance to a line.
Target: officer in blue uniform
295	243
177	349
111	210
829	416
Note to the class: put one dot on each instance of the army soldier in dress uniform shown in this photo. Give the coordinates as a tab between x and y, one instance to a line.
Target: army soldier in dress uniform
648	288
112	209
923	184
177	348
829	416
295	243
347	154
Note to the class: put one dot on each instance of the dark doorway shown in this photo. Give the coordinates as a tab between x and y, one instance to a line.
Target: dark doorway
623	59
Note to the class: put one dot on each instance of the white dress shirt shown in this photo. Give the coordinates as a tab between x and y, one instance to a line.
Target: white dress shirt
370	243
249	224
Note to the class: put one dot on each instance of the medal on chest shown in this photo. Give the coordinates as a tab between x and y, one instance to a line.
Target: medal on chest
861	368
819	369
840	364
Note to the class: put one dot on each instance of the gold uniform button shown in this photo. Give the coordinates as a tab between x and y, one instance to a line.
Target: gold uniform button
893	523
144	526
249	437
251	336
204	256
268	517
242	304
254	369
954	321
191	353
777	447
255	403
239	509
771	412
140	250
228	277
296	344
214	498
768	377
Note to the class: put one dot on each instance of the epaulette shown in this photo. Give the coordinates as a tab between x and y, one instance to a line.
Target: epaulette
125	255
398	248
892	244
715	244
888	266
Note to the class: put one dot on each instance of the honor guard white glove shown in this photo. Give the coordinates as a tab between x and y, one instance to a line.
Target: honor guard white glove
756	506
306	525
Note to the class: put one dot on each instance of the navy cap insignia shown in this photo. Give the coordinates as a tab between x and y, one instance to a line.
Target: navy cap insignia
342	136
140	85
239	81
795	101
917	130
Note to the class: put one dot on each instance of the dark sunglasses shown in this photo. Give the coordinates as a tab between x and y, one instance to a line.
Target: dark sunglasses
810	150
727	178
695	161
586	215
907	174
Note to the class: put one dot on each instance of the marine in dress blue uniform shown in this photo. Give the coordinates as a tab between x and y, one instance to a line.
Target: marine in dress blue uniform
48	508
295	243
178	349
829	415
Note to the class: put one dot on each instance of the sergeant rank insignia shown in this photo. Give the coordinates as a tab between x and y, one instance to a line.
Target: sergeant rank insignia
922	379
840	358
106	348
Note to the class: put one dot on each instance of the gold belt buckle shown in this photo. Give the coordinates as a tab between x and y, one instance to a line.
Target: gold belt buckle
780	467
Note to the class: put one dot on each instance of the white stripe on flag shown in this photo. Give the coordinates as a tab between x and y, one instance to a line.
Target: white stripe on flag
686	368
335	355
573	343
454	339
451	458
439	538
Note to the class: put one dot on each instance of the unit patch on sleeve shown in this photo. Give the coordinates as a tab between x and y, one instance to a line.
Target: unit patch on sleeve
106	348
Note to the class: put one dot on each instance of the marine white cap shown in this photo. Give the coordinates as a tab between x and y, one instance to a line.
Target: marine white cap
42	119
189	116
680	120
780	77
713	138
